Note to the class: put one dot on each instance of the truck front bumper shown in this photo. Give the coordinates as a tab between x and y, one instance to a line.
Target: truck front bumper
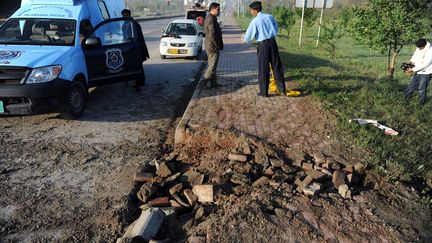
26	99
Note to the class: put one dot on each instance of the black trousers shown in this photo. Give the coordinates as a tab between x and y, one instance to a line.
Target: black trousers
268	53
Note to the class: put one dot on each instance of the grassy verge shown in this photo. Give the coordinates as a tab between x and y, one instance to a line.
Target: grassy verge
353	85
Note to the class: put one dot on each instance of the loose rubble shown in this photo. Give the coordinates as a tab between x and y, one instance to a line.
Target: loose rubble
194	187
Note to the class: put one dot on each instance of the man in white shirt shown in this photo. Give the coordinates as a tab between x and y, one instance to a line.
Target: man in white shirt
422	60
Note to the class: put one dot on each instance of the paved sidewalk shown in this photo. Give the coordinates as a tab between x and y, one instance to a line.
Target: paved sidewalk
235	105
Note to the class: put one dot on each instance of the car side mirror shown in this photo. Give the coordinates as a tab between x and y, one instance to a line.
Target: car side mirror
92	42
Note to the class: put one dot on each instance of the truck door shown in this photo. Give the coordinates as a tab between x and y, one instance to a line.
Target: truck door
118	57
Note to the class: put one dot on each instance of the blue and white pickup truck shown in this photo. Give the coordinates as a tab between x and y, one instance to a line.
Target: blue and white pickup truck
52	51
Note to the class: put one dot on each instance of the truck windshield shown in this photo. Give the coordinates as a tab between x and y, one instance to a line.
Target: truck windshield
38	32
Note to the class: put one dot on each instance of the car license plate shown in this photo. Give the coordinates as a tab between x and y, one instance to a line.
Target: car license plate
1	107
173	51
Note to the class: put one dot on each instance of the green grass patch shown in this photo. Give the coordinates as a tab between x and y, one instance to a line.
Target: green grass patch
353	85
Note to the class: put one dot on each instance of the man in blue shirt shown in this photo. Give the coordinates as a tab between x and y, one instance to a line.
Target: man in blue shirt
263	28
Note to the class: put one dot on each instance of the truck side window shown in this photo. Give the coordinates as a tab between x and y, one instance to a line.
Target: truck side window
85	30
116	32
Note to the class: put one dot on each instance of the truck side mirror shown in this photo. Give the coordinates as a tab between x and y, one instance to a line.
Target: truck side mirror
92	42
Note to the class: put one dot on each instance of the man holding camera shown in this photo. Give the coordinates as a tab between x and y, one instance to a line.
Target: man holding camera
422	69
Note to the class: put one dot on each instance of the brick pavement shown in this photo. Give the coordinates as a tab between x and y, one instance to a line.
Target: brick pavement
290	121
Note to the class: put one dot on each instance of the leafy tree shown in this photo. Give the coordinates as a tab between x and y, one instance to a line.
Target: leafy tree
388	25
284	17
309	18
334	30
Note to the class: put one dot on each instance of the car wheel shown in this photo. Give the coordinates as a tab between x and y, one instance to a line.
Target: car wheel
75	100
200	49
162	56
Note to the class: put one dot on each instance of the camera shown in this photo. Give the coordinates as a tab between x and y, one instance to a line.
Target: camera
405	66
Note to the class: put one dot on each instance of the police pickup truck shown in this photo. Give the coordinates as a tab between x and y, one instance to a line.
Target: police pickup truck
53	51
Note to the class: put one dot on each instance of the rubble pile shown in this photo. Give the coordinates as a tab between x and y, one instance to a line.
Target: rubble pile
195	181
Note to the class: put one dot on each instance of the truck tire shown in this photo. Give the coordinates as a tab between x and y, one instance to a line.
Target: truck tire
75	101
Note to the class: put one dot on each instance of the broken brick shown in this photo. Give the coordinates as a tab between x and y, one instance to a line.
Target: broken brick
304	183
163	170
237	157
317	175
143	177
263	180
203	192
246	150
173	190
190	196
344	191
307	166
276	163
338	178
159	202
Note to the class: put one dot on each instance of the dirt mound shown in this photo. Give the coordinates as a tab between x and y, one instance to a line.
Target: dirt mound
255	197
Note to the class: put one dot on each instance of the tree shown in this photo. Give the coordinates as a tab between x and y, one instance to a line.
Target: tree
284	17
334	30
309	18
388	25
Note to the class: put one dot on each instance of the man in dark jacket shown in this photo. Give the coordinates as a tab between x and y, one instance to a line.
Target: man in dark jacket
144	51
213	43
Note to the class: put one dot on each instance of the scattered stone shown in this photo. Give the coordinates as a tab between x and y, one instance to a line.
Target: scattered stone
326	165
153	162
203	192
240	179
338	178
344	191
274	183
317	175
146	226
246	150
360	168
349	169
178	187
335	166
181	202
327	172
193	178
264	180
280	212
319	158
307	166
159	202
173	177
304	183
277	163
163	170
199	213
143	177
175	204
269	172
237	157
190	196
312	189
146	191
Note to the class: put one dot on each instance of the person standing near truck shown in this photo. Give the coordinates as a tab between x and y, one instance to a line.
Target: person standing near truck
213	43
144	51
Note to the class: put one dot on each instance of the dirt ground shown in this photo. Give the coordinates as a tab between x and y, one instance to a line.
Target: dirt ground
71	181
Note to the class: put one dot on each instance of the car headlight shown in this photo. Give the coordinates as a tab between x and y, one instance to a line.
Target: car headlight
44	74
194	44
164	43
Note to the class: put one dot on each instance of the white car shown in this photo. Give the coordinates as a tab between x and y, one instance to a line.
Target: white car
181	39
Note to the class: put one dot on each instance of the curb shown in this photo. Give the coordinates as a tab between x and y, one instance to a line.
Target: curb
180	133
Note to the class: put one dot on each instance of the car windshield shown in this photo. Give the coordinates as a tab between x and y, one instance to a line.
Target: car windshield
181	29
38	32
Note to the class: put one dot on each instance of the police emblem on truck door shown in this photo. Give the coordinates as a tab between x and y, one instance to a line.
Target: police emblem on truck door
114	60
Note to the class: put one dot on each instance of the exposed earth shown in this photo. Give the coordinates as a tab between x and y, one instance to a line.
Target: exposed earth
64	181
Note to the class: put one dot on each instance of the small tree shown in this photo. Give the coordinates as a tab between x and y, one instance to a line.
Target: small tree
334	30
388	25
284	17
309	18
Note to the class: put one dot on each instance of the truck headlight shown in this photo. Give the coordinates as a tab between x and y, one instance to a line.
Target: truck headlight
44	74
193	44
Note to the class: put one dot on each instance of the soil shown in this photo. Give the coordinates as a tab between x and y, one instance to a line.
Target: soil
64	181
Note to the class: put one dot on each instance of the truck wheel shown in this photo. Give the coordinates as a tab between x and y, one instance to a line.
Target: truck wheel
75	100
141	80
